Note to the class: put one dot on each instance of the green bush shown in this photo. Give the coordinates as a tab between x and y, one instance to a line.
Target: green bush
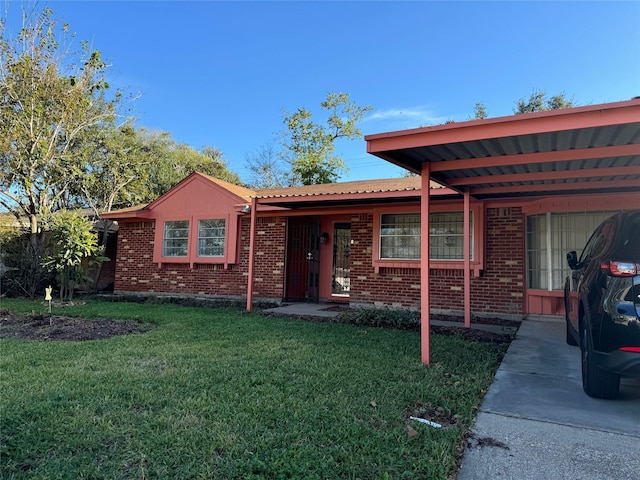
185	301
401	319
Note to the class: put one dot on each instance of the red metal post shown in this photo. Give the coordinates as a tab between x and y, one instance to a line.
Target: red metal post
467	259
425	306
252	235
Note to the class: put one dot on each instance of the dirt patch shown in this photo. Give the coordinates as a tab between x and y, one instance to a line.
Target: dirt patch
57	327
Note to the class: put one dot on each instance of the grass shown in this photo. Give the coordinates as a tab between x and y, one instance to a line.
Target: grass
219	393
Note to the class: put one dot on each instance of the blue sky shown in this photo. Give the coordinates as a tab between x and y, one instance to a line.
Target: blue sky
222	73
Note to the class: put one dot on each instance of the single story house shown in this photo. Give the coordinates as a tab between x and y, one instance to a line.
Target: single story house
503	199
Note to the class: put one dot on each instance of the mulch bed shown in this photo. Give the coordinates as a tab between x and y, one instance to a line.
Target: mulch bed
57	327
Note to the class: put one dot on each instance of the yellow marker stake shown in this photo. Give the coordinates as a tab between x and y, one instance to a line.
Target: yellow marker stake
47	296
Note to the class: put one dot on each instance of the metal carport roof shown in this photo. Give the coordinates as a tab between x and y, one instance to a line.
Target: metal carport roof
592	149
586	150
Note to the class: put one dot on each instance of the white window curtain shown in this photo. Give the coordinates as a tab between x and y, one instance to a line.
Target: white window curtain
549	237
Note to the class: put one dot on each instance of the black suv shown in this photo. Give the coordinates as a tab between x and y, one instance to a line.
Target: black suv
602	304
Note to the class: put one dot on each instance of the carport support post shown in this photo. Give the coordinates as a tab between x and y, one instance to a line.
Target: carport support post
252	234
466	245
425	307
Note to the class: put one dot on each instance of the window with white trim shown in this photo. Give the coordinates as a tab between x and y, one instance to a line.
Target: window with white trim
446	236
211	238
175	239
550	236
400	236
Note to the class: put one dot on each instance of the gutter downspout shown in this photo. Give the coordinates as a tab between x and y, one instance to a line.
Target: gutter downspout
425	306
252	234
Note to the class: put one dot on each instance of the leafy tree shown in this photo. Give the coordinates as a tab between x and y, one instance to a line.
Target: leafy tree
538	101
213	164
74	245
46	103
480	111
173	161
115	170
309	147
50	97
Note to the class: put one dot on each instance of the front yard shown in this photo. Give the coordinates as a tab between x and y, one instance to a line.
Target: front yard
219	393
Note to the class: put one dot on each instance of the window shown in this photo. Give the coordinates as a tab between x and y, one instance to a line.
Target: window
400	236
175	239
550	236
211	236
446	237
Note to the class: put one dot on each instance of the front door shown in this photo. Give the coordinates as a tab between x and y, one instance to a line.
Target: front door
341	268
303	260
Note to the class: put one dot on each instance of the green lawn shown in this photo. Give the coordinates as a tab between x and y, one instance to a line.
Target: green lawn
219	393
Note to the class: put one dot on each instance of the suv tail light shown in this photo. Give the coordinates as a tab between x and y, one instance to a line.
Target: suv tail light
620	269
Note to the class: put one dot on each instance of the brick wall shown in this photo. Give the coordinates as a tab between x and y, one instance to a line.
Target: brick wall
396	287
136	271
499	288
268	273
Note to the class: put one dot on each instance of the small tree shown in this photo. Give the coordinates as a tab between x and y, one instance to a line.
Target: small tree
309	146
480	111
265	168
74	246
539	102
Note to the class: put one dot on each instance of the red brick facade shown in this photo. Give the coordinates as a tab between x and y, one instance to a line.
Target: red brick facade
137	273
498	289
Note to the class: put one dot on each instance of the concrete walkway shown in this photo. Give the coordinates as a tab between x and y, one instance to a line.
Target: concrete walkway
303	309
536	422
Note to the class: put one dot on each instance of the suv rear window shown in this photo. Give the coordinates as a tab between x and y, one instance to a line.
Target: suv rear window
630	239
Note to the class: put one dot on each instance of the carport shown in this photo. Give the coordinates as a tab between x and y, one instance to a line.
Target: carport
590	150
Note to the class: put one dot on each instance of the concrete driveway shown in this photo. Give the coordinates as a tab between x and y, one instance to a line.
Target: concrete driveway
536	422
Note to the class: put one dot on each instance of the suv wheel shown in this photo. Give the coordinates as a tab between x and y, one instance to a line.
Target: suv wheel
596	382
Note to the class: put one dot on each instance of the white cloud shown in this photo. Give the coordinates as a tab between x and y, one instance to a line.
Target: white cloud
403	118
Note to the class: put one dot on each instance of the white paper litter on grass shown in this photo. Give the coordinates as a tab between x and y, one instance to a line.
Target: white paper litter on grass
428	422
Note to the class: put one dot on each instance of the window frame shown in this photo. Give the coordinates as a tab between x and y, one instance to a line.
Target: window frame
477	239
545	252
231	239
165	238
411	237
199	253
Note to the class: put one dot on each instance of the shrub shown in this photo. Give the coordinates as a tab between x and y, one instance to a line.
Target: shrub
401	319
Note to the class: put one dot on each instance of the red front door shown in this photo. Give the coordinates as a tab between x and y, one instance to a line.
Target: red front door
303	260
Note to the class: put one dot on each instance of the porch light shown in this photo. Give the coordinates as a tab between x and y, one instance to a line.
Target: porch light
245	208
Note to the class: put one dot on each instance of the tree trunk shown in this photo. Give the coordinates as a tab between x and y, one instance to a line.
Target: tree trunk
106	224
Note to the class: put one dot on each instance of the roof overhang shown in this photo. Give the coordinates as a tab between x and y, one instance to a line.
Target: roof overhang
356	193
342	200
584	150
